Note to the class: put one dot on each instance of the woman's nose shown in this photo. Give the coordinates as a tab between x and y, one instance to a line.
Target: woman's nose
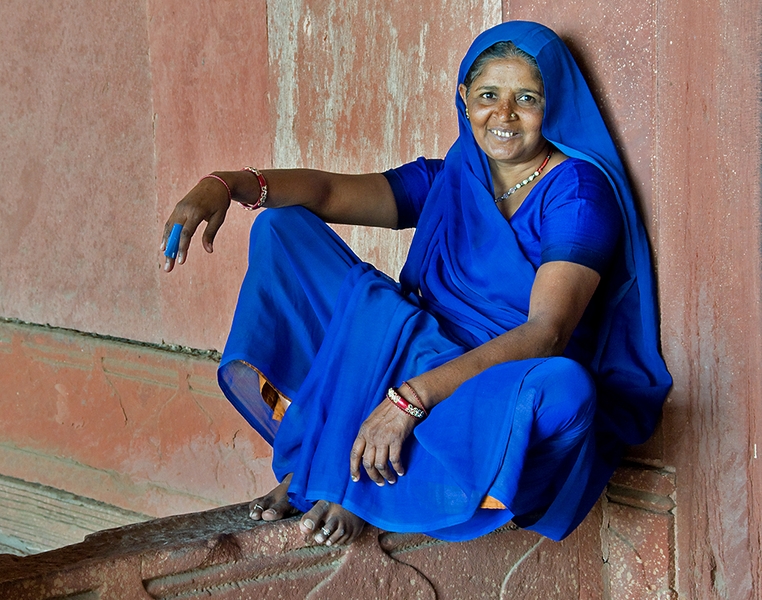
506	112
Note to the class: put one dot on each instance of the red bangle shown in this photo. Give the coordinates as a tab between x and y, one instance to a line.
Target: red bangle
405	406
262	190
416	397
221	180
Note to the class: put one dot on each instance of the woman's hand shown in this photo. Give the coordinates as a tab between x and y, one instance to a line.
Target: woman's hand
379	443
207	201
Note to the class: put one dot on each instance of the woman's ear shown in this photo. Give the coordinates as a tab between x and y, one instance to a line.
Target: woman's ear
462	91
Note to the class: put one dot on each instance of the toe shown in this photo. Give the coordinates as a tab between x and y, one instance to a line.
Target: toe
328	531
314	518
337	537
256	508
339	526
280	509
274	505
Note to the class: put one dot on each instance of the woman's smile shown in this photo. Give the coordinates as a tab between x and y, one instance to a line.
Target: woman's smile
503	134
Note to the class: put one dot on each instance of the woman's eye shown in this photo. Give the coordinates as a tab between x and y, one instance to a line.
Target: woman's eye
489	95
527	99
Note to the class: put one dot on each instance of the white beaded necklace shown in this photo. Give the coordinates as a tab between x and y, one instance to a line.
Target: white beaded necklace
532	177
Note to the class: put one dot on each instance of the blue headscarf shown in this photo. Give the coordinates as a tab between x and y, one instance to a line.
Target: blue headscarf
629	371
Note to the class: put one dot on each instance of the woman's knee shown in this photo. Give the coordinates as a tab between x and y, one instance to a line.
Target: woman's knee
564	396
280	220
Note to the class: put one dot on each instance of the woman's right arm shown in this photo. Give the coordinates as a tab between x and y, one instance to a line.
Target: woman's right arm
335	198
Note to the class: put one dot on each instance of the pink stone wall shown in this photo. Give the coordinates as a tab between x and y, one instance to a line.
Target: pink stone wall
110	111
78	185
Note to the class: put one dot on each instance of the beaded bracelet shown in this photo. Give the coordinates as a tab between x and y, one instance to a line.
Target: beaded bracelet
221	180
262	190
405	406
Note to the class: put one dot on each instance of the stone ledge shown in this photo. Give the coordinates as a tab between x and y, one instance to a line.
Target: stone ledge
224	554
621	551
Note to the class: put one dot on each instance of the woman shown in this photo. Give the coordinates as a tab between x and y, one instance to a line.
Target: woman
503	376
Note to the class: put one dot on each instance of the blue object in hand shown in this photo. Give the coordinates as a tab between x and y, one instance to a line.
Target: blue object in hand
173	243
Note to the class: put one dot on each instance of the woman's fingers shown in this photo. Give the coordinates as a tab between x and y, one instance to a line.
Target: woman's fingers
211	229
369	464
395	457
381	464
185	239
188	228
355	457
378	446
203	203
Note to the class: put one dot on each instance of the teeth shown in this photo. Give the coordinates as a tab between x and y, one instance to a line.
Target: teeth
502	134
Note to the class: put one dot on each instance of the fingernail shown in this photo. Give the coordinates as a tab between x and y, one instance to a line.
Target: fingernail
328	543
309	524
380	483
355	478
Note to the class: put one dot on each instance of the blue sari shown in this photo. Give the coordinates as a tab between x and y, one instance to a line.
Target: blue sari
321	332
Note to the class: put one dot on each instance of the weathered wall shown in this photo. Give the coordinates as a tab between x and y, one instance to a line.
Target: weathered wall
110	111
708	198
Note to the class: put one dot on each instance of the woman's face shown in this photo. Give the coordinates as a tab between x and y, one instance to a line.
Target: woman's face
505	106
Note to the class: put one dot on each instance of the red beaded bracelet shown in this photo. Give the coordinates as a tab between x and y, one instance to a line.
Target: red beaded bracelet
262	190
405	406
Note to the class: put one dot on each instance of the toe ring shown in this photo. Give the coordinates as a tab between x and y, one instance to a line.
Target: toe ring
257	507
326	532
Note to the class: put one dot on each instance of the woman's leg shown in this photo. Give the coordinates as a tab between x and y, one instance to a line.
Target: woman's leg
296	267
564	407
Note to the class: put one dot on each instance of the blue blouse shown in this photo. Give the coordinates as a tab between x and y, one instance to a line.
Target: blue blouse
571	214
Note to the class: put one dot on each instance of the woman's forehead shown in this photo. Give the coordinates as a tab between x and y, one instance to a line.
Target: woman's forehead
514	68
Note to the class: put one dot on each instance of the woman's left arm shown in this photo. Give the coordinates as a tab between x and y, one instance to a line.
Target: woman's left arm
560	294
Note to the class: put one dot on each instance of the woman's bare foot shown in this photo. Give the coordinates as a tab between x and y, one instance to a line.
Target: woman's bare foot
275	505
328	523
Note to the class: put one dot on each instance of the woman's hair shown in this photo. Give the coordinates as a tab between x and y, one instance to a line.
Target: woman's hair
500	50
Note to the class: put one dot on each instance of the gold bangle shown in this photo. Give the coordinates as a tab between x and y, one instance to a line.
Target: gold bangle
262	190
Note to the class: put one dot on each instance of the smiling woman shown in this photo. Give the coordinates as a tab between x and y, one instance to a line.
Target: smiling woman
505	103
504	373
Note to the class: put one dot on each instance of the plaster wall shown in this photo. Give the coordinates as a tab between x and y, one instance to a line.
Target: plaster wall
109	112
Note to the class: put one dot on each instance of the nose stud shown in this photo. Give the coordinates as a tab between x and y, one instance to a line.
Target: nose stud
513	115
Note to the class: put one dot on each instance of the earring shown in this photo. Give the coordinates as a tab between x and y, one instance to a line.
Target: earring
467	117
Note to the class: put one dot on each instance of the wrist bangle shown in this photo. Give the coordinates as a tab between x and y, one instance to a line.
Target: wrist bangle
262	190
221	180
405	406
416	397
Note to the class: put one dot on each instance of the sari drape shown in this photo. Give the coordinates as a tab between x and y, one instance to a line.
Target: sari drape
330	334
